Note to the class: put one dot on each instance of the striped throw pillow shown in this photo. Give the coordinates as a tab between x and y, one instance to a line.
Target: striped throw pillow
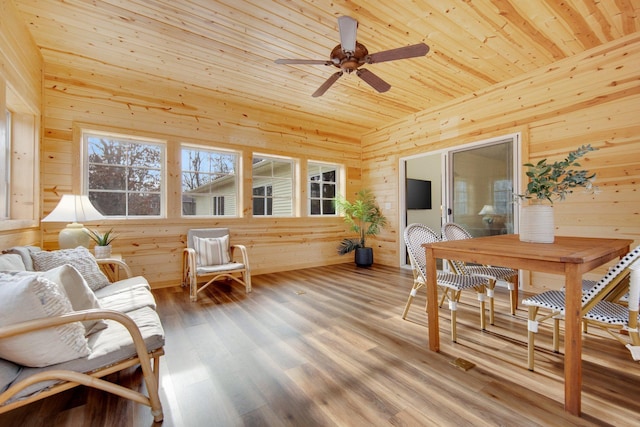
212	250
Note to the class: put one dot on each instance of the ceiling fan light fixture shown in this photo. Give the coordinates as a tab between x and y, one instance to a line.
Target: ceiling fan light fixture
349	55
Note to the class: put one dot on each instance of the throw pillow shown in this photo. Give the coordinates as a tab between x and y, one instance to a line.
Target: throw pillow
31	297
78	292
212	250
25	253
80	258
11	262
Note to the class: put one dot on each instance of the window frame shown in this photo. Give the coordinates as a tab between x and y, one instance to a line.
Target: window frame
270	180
213	205
337	169
5	162
135	139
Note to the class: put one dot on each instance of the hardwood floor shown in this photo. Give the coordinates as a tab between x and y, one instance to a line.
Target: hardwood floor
327	347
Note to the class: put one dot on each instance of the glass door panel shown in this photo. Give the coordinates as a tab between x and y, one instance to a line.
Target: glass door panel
481	180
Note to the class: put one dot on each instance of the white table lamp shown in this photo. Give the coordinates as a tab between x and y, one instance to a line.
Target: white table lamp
73	209
489	212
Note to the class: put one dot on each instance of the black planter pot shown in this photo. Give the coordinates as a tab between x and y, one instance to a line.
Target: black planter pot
364	257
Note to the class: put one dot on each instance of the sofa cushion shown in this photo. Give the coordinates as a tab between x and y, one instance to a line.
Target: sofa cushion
31	297
79	257
11	262
122	286
129	300
9	371
108	346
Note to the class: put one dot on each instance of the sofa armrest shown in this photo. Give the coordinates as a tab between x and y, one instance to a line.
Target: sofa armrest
144	357
112	266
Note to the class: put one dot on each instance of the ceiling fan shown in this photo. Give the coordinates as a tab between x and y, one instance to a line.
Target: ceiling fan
349	55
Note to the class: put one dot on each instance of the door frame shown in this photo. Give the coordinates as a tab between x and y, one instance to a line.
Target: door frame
445	192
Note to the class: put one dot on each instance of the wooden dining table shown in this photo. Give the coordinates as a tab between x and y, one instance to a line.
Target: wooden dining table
567	256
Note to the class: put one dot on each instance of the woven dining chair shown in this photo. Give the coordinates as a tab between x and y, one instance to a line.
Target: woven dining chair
453	231
596	309
613	316
451	284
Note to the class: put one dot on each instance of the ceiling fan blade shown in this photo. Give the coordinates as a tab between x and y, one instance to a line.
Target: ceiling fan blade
303	61
374	81
347	26
326	85
412	51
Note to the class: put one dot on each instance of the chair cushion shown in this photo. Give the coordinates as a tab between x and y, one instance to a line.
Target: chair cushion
211	250
31	297
210	269
79	257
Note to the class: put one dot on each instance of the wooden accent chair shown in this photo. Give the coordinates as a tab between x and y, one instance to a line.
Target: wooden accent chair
596	310
415	235
210	255
453	231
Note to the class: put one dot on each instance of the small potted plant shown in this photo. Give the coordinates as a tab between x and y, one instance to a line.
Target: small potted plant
548	183
365	218
103	241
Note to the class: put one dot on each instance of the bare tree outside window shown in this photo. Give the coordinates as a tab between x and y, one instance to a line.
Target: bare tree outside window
124	175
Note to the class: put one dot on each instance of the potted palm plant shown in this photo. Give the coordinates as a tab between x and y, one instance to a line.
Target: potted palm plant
365	218
103	241
549	183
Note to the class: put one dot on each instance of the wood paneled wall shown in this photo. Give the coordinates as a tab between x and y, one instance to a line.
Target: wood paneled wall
75	99
592	98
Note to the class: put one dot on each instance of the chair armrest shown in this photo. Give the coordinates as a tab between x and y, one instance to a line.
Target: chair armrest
243	252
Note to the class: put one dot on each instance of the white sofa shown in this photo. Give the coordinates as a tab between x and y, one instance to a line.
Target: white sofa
62	324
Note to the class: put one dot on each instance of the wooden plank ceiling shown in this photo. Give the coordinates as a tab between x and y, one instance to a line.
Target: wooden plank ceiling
226	48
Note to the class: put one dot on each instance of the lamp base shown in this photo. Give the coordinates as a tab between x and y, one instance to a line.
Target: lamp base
72	236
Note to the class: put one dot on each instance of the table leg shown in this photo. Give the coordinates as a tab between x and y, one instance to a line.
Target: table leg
432	301
573	340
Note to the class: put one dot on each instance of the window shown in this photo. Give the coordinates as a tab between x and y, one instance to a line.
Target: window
461	200
322	189
263	200
124	175
209	182
272	186
5	162
503	196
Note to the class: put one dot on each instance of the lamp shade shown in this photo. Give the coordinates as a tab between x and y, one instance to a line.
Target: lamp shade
487	210
73	209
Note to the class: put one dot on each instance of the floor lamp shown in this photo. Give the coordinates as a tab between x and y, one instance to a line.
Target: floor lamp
73	209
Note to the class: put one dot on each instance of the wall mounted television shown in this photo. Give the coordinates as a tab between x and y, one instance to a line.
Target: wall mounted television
418	194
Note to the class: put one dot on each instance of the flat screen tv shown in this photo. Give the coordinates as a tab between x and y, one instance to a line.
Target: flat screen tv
418	194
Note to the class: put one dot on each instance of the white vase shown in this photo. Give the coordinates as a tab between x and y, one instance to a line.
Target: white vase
102	251
536	223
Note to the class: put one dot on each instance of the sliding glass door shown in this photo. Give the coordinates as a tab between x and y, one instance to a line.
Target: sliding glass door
479	187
